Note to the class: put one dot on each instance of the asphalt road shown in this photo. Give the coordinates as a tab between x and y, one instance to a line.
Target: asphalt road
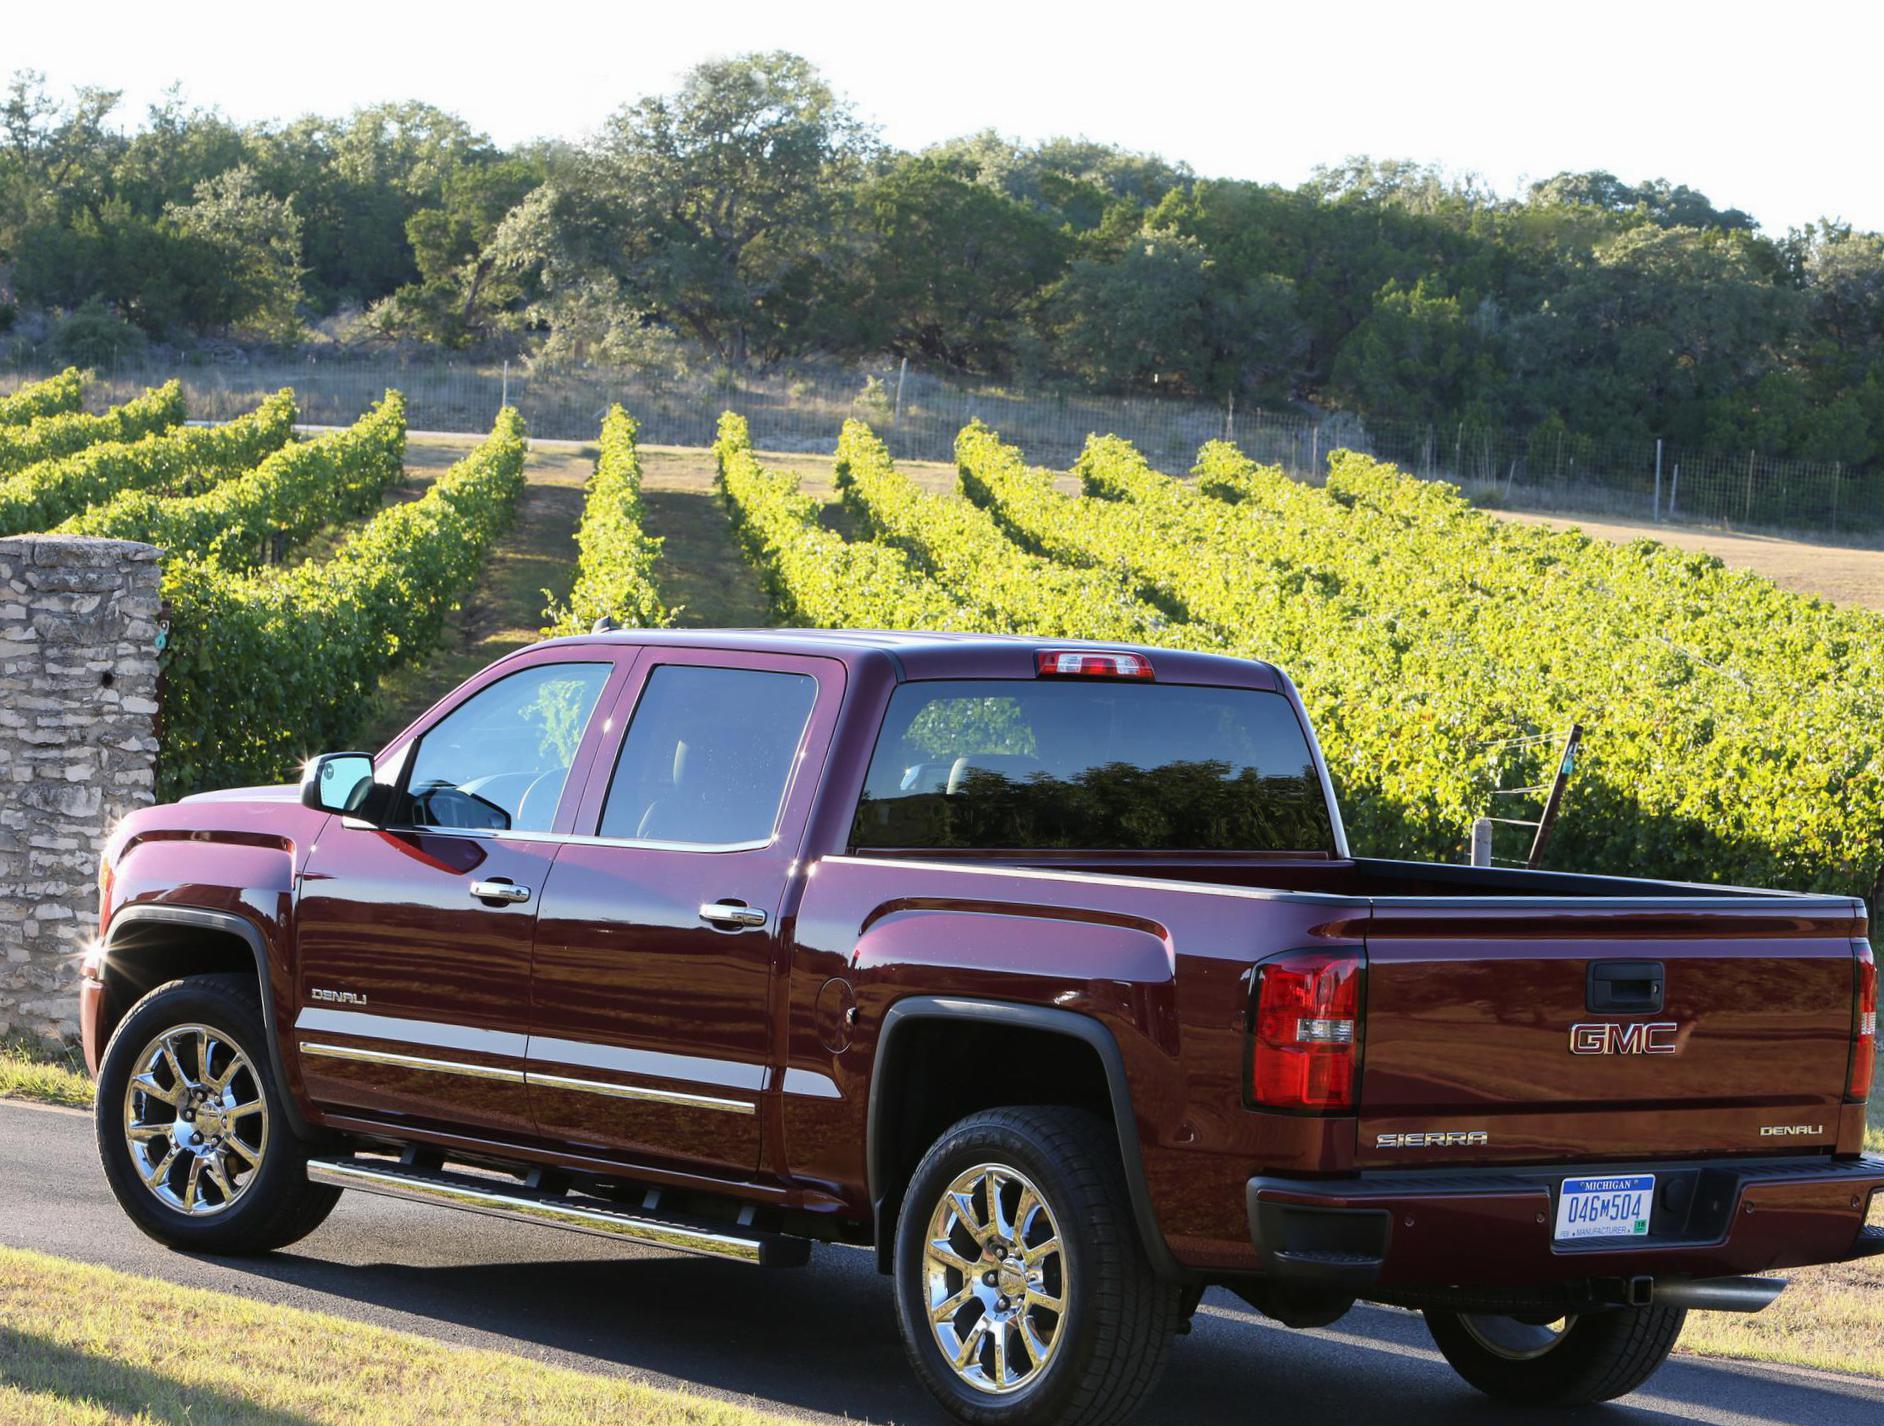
818	1342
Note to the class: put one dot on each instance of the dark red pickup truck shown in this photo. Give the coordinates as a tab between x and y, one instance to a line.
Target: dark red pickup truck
1045	971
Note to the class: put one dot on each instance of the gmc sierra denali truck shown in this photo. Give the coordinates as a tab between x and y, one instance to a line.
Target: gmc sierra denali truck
1045	971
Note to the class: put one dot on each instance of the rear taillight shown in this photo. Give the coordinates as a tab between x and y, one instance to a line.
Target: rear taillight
1084	663
1864	1026
1307	1052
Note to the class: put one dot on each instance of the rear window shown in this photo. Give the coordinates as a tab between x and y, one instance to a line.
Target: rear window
1004	764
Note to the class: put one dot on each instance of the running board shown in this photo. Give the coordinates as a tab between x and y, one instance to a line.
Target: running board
525	1204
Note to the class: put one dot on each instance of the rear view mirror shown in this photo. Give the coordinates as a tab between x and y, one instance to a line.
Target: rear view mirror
338	782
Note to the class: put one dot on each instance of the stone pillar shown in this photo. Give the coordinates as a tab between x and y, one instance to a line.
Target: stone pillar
78	750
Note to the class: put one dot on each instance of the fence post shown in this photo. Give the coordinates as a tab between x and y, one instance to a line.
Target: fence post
1674	490
504	399
1838	471
1747	512
1658	480
1229	420
1482	842
902	370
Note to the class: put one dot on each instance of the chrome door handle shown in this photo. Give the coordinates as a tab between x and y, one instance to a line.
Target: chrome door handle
721	914
499	891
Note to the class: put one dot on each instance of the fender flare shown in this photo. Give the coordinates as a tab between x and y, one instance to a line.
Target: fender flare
1029	1017
246	932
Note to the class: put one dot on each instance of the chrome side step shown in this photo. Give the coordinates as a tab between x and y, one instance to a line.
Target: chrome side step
517	1201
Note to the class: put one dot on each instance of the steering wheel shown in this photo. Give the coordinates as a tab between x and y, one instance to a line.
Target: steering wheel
540	784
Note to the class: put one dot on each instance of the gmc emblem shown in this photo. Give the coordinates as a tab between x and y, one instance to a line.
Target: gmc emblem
1607	1038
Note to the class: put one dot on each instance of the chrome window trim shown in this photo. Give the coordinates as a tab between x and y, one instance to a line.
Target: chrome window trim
632	1091
575	839
387	1057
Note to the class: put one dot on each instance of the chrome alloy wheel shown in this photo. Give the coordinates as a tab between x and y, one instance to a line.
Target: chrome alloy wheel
1513	1340
195	1120
997	1280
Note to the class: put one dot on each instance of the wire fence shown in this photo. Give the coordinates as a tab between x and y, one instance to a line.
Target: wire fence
918	414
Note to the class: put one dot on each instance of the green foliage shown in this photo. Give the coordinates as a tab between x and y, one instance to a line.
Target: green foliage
94	335
254	240
1732	730
177	462
964	550
51	437
265	668
297	490
813	577
747	214
615	568
55	396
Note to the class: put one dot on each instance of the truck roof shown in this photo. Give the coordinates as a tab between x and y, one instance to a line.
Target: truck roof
918	654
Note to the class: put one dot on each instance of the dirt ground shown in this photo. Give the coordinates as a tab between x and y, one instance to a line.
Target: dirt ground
1844	574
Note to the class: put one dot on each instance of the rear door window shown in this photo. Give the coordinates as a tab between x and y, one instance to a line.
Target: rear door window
1004	764
708	755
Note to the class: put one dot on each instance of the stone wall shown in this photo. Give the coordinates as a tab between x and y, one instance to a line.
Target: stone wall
78	749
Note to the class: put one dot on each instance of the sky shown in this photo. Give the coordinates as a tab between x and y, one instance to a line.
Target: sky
1771	110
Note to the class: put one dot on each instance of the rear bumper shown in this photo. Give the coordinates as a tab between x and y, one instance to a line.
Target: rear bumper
1492	1228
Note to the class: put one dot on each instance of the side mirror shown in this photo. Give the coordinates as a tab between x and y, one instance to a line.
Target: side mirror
339	782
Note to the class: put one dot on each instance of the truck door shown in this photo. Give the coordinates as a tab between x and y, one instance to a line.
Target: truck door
414	938
659	941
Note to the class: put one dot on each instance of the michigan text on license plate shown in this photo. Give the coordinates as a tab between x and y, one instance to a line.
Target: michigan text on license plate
1615	1207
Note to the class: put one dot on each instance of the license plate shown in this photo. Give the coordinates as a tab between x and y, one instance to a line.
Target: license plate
1605	1207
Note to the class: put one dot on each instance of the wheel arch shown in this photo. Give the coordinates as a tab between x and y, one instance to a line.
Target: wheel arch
887	1157
146	946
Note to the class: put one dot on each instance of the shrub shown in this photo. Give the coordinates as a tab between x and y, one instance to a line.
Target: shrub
180	461
265	668
615	569
287	497
50	437
55	396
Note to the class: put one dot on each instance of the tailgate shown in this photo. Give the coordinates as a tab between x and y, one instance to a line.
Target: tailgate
1604	1030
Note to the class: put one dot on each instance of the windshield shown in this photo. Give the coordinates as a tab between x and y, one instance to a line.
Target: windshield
1094	765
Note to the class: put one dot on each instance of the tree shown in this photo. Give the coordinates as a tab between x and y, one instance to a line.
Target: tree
950	266
1417	356
715	205
466	288
253	241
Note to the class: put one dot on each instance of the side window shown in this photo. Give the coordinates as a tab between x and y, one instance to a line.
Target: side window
497	762
708	755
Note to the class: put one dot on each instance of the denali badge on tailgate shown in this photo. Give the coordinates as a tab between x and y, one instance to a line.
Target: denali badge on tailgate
1609	1038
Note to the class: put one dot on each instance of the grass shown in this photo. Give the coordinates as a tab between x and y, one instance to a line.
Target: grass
1830	1317
84	1346
30	1069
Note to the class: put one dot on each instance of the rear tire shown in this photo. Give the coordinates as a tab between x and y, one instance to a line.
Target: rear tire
967	1273
1595	1357
193	1130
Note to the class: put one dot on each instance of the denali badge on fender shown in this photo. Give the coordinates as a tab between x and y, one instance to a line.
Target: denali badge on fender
1435	1139
1608	1038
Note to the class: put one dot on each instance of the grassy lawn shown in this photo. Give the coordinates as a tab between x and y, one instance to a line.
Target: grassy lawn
1831	1317
31	1070
83	1346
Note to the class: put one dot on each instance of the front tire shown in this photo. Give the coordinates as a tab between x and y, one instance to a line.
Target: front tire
1022	1289
1575	1361
192	1129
